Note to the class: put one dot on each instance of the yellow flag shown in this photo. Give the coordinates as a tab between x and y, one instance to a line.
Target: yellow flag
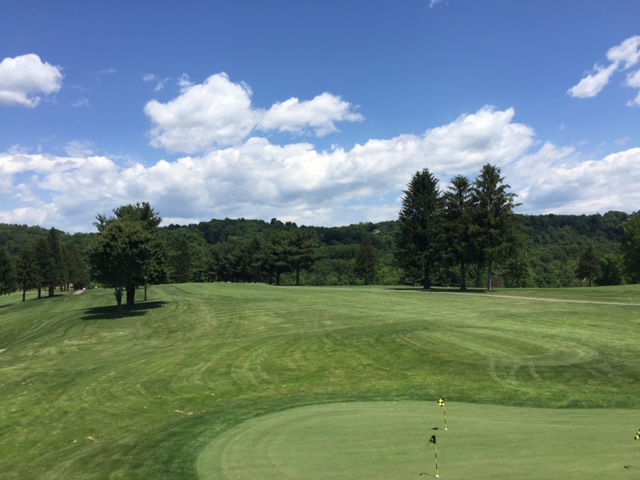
432	440
441	402
637	437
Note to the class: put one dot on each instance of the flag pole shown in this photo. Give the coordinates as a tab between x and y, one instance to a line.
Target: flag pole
444	410
435	451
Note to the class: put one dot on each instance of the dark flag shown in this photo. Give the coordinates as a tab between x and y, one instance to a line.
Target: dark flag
432	440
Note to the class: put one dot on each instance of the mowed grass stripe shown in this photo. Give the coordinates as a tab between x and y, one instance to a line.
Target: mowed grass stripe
86	395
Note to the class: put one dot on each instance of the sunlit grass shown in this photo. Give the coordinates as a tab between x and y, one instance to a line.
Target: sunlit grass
86	395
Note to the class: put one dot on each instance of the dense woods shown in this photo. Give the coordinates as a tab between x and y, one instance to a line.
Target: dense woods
242	250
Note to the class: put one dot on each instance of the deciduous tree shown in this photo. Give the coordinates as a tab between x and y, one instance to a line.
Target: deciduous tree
128	252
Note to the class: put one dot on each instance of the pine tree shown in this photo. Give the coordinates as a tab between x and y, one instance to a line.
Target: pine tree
494	221
419	225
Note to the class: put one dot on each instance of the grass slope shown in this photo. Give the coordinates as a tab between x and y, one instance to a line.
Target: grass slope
88	396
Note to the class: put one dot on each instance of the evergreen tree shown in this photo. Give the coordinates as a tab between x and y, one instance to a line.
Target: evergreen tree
27	274
631	247
54	275
589	265
494	221
457	229
366	261
419	229
7	273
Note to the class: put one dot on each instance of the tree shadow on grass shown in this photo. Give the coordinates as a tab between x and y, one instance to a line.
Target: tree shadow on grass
111	312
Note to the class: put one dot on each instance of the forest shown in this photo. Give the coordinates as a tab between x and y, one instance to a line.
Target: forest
238	250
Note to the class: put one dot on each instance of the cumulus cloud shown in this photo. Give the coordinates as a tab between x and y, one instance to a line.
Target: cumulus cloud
297	182
319	115
622	57
257	178
218	113
561	180
25	78
214	113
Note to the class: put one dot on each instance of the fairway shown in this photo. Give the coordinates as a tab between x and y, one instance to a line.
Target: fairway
388	440
220	381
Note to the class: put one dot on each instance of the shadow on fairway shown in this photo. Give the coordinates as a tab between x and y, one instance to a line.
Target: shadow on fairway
111	312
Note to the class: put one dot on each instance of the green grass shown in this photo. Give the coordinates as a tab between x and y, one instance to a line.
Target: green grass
85	395
388	440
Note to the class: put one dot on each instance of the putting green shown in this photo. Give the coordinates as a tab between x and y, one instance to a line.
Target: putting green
388	440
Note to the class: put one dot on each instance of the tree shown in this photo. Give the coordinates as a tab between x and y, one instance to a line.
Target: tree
457	233
7	273
631	247
589	265
304	250
494	221
26	271
366	262
419	219
127	252
54	275
43	264
611	270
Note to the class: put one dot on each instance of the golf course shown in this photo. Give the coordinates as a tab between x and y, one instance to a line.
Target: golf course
228	381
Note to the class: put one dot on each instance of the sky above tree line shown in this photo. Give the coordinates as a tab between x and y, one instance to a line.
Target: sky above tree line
316	112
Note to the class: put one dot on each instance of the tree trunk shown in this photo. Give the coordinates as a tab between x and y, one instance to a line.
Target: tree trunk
118	295
463	277
490	276
131	296
427	277
24	294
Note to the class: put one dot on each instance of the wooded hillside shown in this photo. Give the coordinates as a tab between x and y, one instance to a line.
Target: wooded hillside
236	250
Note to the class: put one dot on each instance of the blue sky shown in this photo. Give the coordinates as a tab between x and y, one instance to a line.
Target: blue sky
317	112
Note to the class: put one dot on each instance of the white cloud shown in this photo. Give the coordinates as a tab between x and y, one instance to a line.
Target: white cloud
560	180
623	56
81	102
24	78
218	113
319	115
592	84
259	179
633	81
297	182
215	113
628	52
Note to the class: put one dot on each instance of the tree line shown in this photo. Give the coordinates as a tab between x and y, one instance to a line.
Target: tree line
466	233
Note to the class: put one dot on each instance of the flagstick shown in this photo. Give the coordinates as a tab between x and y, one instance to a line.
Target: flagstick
435	449
444	410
